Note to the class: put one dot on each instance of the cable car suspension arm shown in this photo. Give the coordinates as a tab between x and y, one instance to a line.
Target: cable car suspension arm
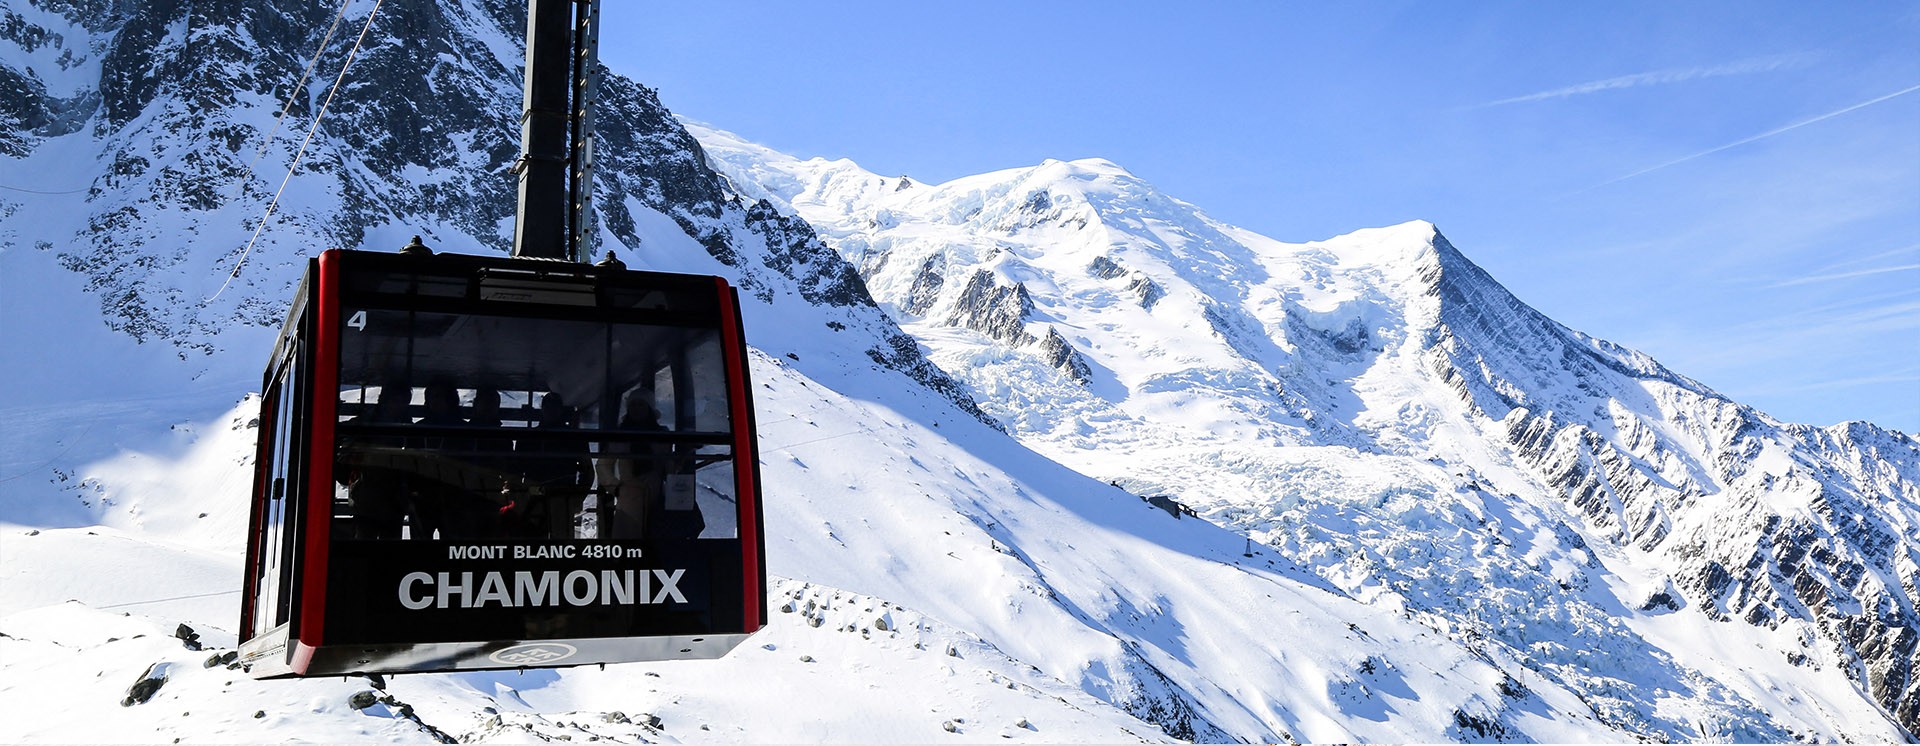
556	130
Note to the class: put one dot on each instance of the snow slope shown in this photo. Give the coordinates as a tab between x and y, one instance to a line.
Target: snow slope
1425	563
954	576
1377	407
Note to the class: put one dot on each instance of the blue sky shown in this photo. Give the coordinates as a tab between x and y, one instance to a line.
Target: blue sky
1733	188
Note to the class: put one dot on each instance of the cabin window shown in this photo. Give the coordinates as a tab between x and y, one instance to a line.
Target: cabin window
280	444
473	426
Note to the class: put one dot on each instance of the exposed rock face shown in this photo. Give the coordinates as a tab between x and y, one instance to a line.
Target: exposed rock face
1761	522
825	278
29	113
1376	407
1106	269
180	98
1061	355
1146	291
996	310
926	286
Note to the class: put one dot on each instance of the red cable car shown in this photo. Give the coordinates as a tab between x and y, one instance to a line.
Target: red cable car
506	462
492	462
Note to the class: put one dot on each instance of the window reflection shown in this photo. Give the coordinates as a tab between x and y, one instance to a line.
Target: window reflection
472	427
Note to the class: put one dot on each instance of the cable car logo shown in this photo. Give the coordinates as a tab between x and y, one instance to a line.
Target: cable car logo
533	654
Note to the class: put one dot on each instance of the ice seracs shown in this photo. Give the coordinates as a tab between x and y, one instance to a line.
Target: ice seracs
1350	399
1470	522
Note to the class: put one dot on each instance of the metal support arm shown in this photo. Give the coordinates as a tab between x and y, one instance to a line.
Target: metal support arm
555	165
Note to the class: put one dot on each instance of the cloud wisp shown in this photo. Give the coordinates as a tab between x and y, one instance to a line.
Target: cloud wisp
1756	138
1846	275
1910	251
1663	77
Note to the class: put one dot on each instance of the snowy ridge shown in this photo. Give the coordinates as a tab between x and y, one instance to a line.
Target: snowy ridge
1003	589
168	507
1377	407
1426	563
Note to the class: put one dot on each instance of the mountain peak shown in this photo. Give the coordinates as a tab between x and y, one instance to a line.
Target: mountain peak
1081	172
1439	504
1187	357
1413	237
1097	166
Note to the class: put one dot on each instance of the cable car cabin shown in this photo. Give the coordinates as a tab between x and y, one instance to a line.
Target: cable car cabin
469	463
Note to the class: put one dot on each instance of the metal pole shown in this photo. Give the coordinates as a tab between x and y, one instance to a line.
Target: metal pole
540	224
586	57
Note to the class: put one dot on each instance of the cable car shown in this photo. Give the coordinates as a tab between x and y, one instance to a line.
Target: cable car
470	462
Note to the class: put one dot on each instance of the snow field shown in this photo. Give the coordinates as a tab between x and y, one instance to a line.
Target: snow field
1304	394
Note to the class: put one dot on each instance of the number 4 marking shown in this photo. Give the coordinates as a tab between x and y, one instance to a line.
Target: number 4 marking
358	321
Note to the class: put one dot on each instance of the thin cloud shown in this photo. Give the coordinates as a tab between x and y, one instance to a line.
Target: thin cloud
1778	389
1912	250
1843	310
1663	77
1845	275
1761	136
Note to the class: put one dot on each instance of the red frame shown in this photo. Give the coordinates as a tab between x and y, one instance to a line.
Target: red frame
257	512
307	629
746	462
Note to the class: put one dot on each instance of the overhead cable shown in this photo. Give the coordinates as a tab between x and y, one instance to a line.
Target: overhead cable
297	156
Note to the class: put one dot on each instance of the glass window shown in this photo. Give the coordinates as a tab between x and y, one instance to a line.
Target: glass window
280	440
468	426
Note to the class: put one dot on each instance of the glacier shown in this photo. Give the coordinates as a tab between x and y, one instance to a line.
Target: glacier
1418	509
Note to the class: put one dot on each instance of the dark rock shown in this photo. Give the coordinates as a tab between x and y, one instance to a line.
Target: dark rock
188	638
998	311
1106	269
148	684
362	700
926	285
1173	507
1063	357
1147	291
1513	688
1660	600
1480	728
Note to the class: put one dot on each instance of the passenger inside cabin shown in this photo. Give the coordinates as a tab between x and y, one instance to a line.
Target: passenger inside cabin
556	472
630	472
474	511
377	491
439	468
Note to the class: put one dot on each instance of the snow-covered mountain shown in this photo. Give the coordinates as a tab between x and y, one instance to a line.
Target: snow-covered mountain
1467	522
1379	408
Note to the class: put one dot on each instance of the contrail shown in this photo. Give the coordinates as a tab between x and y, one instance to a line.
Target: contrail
1659	77
1761	136
1846	275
